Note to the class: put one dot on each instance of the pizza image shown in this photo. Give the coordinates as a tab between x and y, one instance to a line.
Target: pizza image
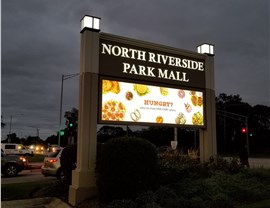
113	110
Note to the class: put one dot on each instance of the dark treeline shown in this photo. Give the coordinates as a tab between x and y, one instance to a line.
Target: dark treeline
232	116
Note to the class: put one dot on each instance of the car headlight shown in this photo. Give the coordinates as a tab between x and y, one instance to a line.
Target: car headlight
23	159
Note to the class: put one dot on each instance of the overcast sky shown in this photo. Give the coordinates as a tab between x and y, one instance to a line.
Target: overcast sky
40	41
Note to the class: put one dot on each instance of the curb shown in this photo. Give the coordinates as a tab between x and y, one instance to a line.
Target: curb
47	202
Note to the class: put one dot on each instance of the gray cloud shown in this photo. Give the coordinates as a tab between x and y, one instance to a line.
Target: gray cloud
41	41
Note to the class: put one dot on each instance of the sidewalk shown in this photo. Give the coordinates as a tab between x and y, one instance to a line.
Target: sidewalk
259	162
47	202
256	162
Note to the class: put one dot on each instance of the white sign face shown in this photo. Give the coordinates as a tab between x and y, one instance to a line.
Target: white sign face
143	104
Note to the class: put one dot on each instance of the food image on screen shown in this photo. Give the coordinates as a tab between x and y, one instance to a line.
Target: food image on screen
113	111
181	93
110	86
130	102
197	118
196	100
159	119
164	91
188	107
180	119
200	101
129	95
106	86
141	89
135	115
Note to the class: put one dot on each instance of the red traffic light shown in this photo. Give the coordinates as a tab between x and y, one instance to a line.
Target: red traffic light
243	130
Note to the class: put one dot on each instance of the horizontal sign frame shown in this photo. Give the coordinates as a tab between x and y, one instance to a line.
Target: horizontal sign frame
155	107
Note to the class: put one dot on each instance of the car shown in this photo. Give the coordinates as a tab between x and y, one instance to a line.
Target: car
52	165
53	148
16	149
11	165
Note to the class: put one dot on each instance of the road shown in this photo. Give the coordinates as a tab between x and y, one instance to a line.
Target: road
259	162
255	162
33	174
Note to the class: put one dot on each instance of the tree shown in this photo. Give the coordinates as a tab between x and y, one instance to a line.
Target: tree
53	139
2	123
34	140
229	135
108	132
71	124
12	138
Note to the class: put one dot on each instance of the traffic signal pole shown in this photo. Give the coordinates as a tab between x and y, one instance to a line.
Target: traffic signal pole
237	117
64	77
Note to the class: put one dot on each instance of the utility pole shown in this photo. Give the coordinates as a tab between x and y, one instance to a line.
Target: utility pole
37	132
64	77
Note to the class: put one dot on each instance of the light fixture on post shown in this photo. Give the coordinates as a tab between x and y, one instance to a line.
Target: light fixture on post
64	77
206	48
90	23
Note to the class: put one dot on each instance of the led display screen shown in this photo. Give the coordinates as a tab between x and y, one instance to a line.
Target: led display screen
126	102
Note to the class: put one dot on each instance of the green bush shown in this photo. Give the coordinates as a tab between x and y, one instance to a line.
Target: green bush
147	198
165	194
124	203
221	200
68	161
125	168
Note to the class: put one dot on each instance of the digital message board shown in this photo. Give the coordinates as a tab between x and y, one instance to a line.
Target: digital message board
135	103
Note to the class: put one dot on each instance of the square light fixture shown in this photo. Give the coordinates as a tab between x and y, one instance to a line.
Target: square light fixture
90	23
206	48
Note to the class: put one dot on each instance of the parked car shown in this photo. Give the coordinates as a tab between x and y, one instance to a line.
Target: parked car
15	149
52	165
11	165
53	148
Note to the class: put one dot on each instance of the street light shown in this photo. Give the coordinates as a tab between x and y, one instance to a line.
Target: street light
90	23
64	77
206	48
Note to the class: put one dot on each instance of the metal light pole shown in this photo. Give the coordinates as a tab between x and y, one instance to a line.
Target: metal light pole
64	77
10	124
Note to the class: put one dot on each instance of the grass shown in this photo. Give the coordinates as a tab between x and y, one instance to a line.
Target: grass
23	190
259	204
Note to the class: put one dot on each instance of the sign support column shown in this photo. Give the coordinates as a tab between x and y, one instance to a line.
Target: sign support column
83	177
208	144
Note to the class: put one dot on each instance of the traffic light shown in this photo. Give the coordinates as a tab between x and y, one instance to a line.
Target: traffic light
243	130
70	125
62	132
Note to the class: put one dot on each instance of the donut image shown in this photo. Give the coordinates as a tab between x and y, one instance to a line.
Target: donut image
181	93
